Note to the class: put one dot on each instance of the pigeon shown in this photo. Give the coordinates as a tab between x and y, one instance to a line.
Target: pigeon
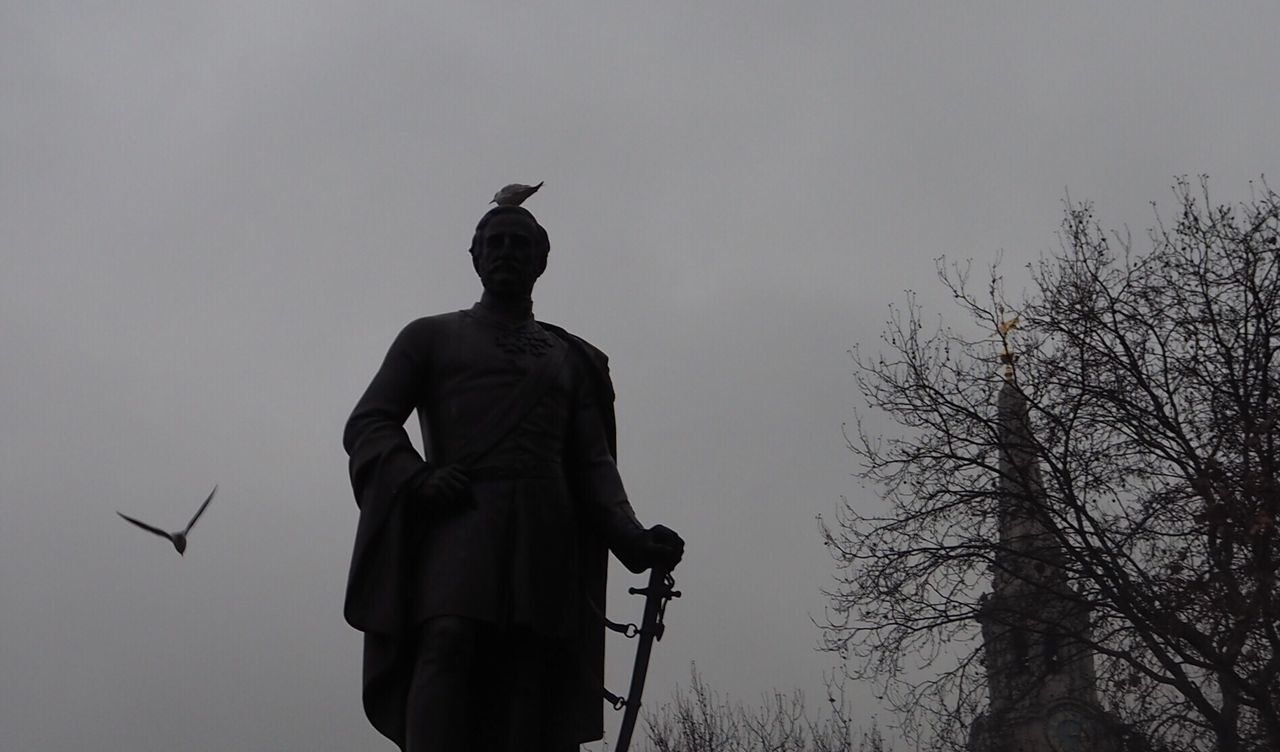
179	538
514	194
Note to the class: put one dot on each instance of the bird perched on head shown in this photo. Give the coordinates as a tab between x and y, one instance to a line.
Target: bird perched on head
178	538
514	194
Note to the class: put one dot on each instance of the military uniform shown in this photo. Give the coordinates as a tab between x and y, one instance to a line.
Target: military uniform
523	552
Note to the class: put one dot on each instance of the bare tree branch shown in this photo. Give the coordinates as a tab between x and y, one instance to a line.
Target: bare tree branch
1150	381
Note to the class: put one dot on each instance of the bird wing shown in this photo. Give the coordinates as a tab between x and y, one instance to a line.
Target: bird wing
145	526
525	192
200	511
506	192
514	194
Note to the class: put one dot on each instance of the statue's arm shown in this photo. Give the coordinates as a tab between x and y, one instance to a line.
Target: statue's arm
599	490
374	436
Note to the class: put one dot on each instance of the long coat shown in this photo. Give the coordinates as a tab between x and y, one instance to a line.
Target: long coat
381	579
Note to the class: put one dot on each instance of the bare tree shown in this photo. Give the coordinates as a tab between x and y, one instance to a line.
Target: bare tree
1153	392
702	720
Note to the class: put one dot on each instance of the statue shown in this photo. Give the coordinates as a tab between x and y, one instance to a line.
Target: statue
478	572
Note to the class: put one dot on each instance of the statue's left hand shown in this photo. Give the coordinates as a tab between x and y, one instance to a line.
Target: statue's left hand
662	547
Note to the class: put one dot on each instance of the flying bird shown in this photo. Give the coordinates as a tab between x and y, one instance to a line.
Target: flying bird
514	194
179	538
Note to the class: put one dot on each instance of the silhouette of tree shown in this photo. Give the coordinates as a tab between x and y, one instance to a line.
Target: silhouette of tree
1153	385
702	720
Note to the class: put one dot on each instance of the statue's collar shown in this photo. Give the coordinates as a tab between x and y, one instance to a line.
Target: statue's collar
503	313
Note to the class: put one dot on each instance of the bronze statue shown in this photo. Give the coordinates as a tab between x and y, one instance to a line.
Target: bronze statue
478	572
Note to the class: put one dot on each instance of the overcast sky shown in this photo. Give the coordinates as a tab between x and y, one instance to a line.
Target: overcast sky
214	217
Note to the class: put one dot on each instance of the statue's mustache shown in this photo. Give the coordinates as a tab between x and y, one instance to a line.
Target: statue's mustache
504	265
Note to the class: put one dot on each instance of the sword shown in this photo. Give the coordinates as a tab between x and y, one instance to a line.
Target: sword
656	595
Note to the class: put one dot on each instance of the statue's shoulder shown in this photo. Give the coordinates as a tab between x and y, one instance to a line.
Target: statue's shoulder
592	357
580	343
426	328
596	366
584	348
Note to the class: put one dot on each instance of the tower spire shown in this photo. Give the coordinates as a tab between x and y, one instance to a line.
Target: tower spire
1035	627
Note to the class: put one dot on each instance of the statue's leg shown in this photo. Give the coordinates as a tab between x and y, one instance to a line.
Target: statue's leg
534	690
442	712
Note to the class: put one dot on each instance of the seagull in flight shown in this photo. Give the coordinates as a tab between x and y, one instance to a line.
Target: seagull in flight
179	538
514	194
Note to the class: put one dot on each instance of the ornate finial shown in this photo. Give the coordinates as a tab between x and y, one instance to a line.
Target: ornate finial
1003	328
514	194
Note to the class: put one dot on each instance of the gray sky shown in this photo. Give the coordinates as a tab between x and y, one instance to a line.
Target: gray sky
215	217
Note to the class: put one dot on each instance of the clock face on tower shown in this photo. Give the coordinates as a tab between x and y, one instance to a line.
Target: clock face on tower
1068	731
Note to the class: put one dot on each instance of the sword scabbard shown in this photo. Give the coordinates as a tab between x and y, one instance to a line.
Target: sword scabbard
656	594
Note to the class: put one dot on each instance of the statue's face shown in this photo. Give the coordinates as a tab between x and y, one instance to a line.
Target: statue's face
508	259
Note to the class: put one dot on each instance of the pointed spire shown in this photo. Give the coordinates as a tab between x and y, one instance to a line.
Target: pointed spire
1019	466
1019	482
1028	547
1035	627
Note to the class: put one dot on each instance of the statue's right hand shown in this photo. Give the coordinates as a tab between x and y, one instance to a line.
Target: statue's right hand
443	489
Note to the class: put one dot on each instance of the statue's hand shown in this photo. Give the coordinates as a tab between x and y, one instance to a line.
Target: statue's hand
443	489
661	547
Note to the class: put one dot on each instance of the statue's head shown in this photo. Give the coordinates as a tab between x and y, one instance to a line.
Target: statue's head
509	251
